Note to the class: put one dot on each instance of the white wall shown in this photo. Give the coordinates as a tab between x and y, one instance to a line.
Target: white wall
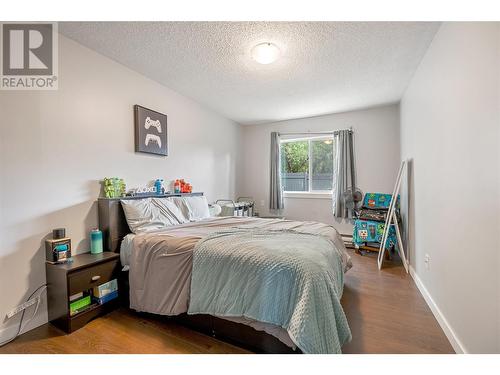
498	203
376	136
56	146
450	119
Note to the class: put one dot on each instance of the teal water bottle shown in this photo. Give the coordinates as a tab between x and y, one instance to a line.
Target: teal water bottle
96	241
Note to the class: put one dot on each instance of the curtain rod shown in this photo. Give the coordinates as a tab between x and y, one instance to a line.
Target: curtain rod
315	133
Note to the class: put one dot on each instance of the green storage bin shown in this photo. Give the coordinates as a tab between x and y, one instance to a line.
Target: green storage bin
79	305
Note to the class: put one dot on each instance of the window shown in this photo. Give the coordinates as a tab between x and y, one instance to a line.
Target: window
307	164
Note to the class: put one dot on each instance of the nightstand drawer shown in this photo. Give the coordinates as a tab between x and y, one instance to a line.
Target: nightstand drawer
89	277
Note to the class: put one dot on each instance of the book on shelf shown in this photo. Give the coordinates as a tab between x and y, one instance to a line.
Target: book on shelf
104	289
108	297
79	305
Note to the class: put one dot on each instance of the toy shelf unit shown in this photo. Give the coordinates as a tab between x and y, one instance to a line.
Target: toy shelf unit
243	206
372	230
367	235
369	225
379	221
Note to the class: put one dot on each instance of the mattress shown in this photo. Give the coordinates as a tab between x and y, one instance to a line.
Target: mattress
161	264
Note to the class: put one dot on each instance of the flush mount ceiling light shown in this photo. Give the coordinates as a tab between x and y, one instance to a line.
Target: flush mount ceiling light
265	53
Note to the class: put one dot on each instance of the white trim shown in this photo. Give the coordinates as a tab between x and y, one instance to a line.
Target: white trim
7	333
445	326
310	166
307	195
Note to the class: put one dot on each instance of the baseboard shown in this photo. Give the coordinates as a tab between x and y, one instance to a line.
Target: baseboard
445	326
8	332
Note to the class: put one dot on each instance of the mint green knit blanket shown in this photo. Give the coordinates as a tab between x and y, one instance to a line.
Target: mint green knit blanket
290	279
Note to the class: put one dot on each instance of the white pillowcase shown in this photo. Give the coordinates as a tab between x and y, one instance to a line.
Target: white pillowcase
198	208
147	214
141	215
169	212
194	208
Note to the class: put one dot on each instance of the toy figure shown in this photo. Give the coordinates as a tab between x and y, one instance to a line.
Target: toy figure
181	186
159	186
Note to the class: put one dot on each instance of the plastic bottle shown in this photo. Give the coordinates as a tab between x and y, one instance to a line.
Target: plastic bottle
96	241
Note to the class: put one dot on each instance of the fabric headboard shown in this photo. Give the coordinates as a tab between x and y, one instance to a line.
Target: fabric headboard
112	220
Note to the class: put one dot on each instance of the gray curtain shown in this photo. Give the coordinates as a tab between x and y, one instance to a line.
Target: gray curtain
344	172
276	193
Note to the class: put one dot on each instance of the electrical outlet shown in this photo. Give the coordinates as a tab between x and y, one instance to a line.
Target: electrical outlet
20	308
262	203
427	261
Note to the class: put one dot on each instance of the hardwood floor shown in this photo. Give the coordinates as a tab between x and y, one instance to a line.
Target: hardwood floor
385	311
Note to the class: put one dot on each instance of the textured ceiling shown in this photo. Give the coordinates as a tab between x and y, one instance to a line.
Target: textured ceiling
325	66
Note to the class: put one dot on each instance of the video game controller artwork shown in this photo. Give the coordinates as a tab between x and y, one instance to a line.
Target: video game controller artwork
150	131
152	137
148	123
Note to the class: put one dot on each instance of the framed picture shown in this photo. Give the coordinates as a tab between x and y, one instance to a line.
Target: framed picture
150	131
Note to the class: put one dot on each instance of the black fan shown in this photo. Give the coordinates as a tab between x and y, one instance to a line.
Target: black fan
353	199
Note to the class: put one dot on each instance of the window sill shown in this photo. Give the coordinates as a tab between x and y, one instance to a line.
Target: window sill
306	195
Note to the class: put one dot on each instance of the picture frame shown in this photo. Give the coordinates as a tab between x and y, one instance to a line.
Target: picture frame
150	131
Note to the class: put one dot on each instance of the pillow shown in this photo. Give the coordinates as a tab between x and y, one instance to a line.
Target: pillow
169	212
181	204
194	208
142	215
198	207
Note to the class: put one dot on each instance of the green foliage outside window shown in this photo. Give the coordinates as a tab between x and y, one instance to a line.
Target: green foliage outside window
295	157
322	157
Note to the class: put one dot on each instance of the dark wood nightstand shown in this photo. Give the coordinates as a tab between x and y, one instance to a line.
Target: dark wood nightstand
85	272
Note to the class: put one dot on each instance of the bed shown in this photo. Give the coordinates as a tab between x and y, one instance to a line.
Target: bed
192	271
